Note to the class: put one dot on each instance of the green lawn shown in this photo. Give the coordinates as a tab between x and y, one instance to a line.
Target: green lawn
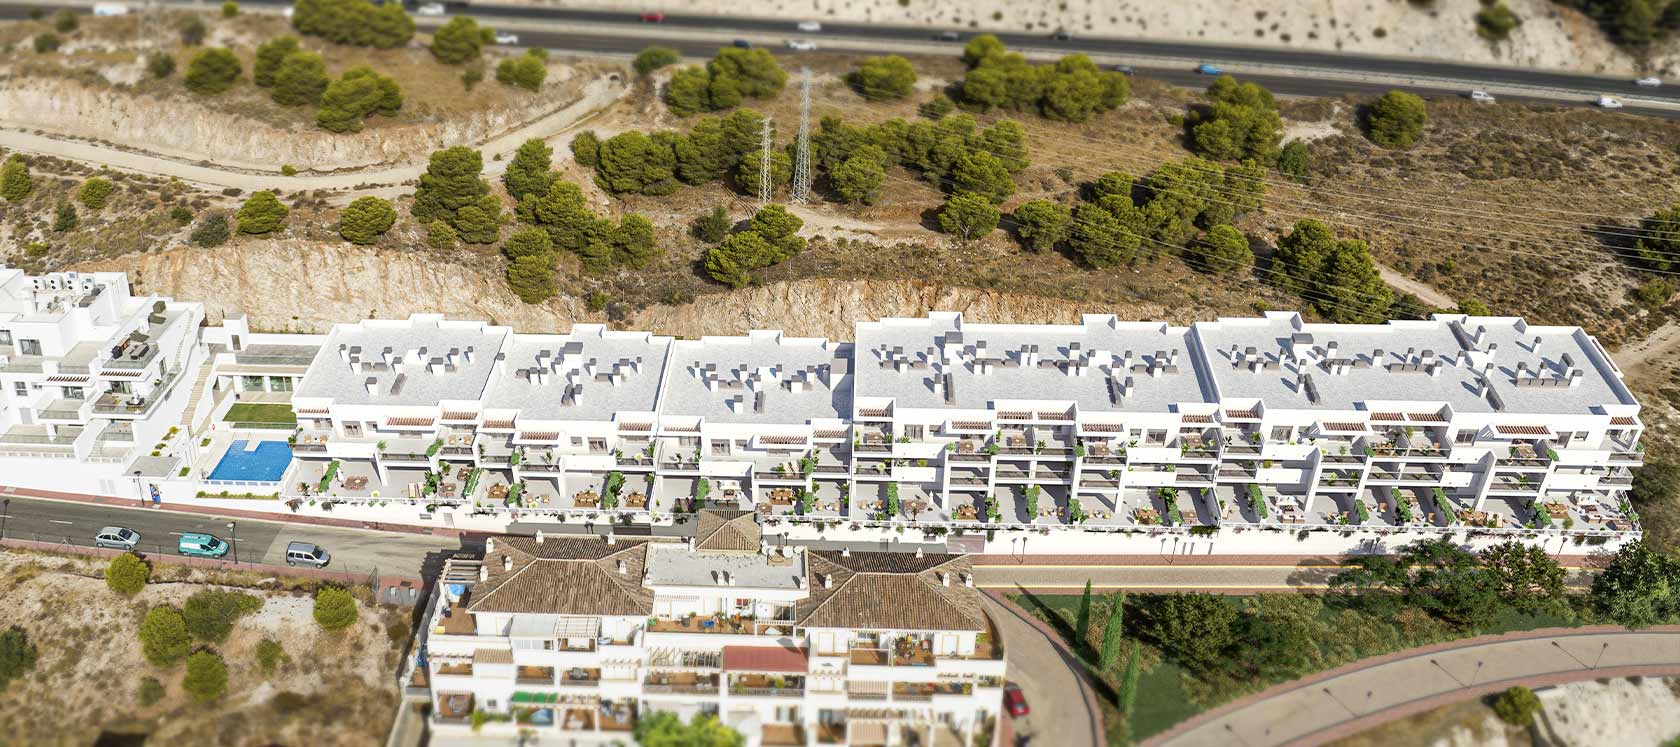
260	413
1169	693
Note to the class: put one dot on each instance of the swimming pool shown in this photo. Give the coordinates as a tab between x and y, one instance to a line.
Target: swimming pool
267	463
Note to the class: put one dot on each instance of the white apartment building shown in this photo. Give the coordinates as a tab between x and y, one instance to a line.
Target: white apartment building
576	639
91	375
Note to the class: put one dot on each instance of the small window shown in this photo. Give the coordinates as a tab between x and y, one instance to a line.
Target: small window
21	389
1280	433
1464	438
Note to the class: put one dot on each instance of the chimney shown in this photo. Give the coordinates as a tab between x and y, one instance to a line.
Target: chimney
846	552
968	580
690	542
483	573
507	563
622	568
918	552
489	545
344	353
467	355
612	539
1330	349
454	356
798	582
539	536
372	384
828	580
1537	340
728	578
944	579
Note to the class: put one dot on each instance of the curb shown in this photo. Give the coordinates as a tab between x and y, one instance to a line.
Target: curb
279	518
214	564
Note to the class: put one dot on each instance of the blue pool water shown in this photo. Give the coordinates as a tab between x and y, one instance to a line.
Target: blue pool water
266	464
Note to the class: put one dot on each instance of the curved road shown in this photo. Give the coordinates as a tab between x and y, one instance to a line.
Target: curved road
1059	715
1350	699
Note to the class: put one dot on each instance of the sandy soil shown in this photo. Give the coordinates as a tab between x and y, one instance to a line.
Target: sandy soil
337	689
1549	36
1582	714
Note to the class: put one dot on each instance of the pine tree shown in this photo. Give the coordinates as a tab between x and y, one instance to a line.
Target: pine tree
528	172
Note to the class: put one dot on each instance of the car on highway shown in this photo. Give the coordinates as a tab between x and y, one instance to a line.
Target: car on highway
802	45
810	27
1123	69
430	9
742	44
201	545
654	17
1481	97
1015	701
287	11
1609	102
1649	82
110	9
1207	69
507	39
121	538
1061	36
947	36
306	553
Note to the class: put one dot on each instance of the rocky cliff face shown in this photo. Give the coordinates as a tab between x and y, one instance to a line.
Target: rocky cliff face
301	286
181	128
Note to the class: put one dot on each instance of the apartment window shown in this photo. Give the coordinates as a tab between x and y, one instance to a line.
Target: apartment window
689	442
913	432
74	392
1280	433
577	440
29	347
353	430
598	445
720	448
1156	437
1464	438
251	383
5	337
280	384
21	389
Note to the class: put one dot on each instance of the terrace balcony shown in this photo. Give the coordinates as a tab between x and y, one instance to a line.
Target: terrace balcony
525	675
680	683
783	734
65	410
767	685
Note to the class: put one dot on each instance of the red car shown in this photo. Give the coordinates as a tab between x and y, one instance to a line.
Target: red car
1015	701
654	17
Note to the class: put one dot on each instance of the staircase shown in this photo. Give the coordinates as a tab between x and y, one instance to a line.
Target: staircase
192	398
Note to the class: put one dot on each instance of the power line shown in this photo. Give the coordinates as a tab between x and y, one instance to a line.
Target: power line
802	149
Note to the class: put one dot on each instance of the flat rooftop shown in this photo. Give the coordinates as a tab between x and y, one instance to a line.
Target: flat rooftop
671	564
762	377
419	361
592	373
1086	364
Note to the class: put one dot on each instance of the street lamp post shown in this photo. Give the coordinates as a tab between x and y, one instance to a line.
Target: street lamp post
233	526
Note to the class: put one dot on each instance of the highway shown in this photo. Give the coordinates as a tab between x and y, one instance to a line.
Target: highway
1289	72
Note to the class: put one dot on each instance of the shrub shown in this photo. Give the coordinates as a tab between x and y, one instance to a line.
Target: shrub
163	636
355	22
366	219
653	58
1495	21
160	65
206	677
64	218
127	574
531	278
968	216
472	76
451	182
1224	250
1474	307
66	21
210	613
883	78
180	214
1074	89
17	655
261	214
1396	119
1517	706
858	179
335	609
714	226
192	31
1042	224
269	56
46	43
586	149
1295	160
15	181
525	71
94	192
1653	293
440	235
460	40
528	172
212	71
1242	122
212	231
300	80
230	9
270	655
151	691
353	97
287	169
733	75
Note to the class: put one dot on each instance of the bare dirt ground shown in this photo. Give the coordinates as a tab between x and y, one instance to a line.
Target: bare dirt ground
1641	711
336	689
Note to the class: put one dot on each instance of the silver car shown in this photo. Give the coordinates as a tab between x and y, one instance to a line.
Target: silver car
121	538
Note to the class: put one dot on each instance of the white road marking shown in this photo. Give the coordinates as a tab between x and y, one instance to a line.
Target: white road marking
60	521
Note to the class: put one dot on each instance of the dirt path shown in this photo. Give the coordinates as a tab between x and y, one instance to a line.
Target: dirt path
1424	291
597	95
1636	359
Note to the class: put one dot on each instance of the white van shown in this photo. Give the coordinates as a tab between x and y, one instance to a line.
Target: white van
110	9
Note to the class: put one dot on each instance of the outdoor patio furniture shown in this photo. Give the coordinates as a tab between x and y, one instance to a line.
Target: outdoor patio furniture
635	500
355	483
448	489
462	473
1557	510
764	508
498	492
586	499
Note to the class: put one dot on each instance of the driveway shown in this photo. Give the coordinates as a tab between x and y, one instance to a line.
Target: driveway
1059	717
1350	699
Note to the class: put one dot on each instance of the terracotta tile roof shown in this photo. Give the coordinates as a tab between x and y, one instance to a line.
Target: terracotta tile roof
782	439
1250	413
460	415
972	425
721	529
541	436
1015	415
1104	427
1524	430
410	421
897	591
499	424
765	659
1344	426
492	656
564	576
1387	416
1623	420
313	411
635	426
1425	417
831	434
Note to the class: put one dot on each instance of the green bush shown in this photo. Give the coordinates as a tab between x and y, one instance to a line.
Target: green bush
531	278
206	678
528	172
1223	250
65	218
1495	21
440	235
212	72
1396	119
451	182
731	76
1074	89
526	71
211	613
151	691
361	92
230	9
354	22
1042	224
163	636
94	192
1295	160
17	655
270	655
1242	122
46	43
262	214
858	179
366	219
210	232
300	80
713	226
15	181
193	31
883	78
1517	706
968	216
66	21
269	56
335	609
160	65
180	214
1474	307
1654	293
653	58
460	40
127	574
586	149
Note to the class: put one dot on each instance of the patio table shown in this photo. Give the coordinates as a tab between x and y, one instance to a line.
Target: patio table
635	500
967	512
587	499
1557	510
448	490
355	483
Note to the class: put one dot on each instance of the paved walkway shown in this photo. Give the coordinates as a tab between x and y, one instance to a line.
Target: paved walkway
1063	709
1350	699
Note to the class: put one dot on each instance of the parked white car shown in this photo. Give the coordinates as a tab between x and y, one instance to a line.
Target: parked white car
507	39
1481	97
1609	102
810	27
110	9
287	12
801	45
429	9
1650	82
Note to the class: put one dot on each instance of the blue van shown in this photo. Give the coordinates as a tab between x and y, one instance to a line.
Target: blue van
202	545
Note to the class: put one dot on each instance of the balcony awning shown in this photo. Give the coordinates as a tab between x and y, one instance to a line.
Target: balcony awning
764	659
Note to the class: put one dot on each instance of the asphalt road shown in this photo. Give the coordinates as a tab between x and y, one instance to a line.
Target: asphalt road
353	551
1312	73
1233	577
1057	710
